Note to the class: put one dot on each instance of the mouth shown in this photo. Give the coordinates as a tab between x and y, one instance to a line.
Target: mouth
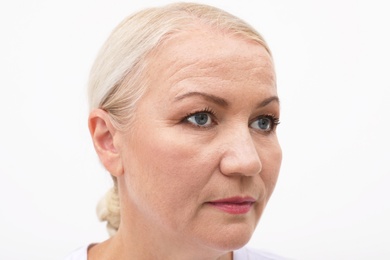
234	205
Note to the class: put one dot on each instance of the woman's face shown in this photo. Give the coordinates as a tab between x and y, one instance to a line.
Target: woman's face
201	158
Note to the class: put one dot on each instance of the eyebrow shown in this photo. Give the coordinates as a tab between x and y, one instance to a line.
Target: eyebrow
268	100
217	100
222	102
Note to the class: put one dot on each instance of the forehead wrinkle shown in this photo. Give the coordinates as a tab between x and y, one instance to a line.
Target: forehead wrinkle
216	67
205	77
197	70
175	63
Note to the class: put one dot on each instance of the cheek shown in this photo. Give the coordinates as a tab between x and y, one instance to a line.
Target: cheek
271	160
171	166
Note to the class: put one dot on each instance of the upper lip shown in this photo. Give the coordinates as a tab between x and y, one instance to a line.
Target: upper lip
236	199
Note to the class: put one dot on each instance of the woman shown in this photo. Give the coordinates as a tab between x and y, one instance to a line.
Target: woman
184	109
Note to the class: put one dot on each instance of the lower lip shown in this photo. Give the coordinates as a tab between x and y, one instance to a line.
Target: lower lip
233	208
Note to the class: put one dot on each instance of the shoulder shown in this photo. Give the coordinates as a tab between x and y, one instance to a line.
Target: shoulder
246	253
78	254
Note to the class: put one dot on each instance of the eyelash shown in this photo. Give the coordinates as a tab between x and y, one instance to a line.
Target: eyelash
206	110
274	121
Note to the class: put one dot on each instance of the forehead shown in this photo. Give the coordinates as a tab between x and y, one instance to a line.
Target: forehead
206	54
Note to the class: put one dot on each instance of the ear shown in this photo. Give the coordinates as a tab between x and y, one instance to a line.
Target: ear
104	137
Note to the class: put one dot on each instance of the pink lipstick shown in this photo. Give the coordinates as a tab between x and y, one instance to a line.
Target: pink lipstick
234	205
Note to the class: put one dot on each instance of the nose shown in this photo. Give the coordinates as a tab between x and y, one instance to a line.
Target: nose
240	156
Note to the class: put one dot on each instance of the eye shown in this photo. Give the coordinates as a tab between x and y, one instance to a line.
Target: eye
201	119
265	123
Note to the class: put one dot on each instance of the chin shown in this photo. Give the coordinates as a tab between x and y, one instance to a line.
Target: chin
231	238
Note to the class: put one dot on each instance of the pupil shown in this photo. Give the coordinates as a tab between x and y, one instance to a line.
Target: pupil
264	123
201	119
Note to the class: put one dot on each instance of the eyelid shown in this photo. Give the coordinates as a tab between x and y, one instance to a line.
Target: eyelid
274	122
206	110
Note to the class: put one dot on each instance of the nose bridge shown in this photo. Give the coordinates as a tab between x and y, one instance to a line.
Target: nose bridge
241	156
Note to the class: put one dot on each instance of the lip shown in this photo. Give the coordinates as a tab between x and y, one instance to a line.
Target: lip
234	205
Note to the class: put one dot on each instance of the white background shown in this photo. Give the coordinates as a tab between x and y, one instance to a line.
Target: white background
332	60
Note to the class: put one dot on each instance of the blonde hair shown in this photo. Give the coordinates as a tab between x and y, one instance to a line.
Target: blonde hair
117	78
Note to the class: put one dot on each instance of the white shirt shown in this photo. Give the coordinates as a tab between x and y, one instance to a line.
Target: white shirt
240	254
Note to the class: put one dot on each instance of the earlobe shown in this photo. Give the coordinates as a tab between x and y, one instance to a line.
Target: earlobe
103	135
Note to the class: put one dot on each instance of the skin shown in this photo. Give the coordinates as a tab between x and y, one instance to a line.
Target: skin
169	168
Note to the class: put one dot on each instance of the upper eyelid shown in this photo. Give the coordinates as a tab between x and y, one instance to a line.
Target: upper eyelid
271	116
274	121
206	110
197	126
